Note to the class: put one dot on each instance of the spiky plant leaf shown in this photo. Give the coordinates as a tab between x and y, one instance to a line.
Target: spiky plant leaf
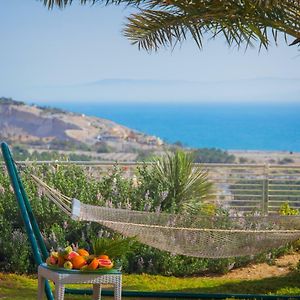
188	186
114	248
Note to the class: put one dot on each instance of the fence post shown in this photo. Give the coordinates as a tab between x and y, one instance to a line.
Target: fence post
265	191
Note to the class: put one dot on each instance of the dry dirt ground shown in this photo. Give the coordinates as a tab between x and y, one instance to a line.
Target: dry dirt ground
282	266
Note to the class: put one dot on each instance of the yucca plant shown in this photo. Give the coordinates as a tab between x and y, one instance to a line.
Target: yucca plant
114	248
241	22
187	186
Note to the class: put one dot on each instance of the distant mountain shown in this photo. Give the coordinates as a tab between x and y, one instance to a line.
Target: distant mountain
270	89
52	128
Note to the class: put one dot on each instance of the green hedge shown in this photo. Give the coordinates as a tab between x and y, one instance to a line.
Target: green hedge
113	189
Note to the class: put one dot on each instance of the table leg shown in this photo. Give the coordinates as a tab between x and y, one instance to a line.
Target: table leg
59	291
97	291
41	287
118	290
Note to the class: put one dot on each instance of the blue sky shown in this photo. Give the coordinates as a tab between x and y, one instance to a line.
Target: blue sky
79	54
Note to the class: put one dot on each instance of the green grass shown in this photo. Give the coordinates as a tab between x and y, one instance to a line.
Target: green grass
19	287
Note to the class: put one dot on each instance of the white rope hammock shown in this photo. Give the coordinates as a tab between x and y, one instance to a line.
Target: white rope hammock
198	236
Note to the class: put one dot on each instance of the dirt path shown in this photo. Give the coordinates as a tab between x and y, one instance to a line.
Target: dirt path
282	266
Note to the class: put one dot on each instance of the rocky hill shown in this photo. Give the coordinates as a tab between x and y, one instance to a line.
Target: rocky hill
51	128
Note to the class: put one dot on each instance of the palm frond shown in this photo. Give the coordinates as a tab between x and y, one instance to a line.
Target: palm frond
241	22
50	4
114	248
152	29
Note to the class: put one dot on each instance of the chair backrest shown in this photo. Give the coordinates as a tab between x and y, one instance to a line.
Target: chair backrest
38	246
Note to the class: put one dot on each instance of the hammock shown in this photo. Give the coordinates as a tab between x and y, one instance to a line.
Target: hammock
197	236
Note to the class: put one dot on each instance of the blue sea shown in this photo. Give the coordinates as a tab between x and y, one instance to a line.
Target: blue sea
226	126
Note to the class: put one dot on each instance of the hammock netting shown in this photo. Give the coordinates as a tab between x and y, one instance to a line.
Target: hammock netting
190	235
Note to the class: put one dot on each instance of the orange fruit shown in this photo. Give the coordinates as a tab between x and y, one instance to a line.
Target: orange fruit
78	262
82	252
93	265
103	256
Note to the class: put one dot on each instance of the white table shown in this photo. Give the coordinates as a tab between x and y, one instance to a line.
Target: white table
60	277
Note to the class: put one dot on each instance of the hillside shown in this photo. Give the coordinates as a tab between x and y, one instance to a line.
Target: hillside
44	128
44	133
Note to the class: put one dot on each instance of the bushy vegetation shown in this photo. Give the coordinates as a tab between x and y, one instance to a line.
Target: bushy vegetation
5	100
285	160
213	155
113	189
143	191
21	153
286	210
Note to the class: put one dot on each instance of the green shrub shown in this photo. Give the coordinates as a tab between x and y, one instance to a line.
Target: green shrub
15	251
286	210
142	192
213	155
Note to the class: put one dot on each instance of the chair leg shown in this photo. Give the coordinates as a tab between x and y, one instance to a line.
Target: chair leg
41	287
97	291
59	291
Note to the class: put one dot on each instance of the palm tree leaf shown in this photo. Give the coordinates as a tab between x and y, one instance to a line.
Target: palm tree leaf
168	22
240	22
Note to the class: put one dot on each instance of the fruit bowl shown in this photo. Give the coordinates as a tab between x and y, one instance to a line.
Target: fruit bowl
74	271
79	260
